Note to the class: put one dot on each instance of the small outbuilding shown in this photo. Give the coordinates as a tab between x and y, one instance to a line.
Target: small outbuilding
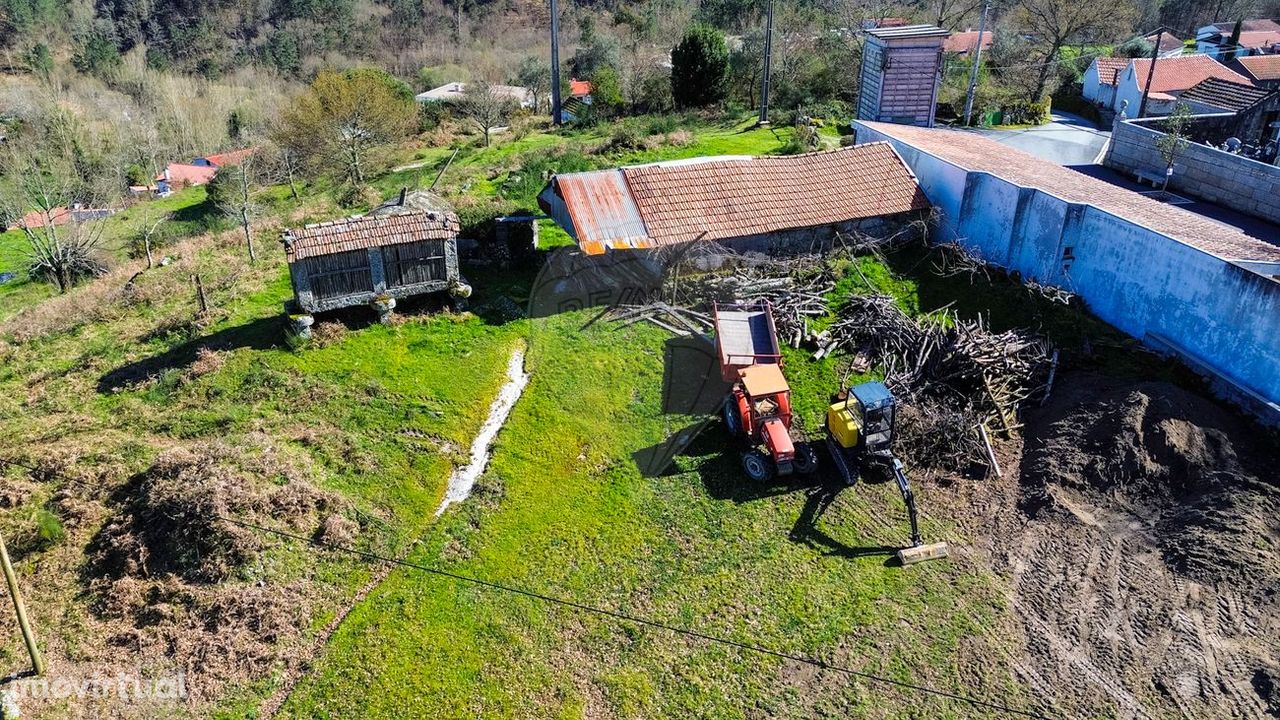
404	248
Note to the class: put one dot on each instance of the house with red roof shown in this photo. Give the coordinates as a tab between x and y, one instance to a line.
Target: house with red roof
964	43
1263	70
1170	78
1100	79
180	175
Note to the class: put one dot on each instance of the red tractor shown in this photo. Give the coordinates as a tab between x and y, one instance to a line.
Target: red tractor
758	408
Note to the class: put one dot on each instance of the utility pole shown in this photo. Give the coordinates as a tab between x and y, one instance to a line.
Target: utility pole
1151	71
768	56
37	662
555	63
977	62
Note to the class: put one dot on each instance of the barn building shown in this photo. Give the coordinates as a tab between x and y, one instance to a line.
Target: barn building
901	72
768	204
401	249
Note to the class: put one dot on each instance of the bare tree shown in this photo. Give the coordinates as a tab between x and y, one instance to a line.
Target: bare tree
232	193
147	233
1059	23
486	106
56	214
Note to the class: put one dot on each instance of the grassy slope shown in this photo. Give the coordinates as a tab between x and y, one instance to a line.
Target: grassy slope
563	509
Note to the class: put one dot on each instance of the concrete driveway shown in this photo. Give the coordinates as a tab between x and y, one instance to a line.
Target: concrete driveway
1067	140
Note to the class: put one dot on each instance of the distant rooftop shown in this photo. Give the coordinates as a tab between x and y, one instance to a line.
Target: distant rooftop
975	153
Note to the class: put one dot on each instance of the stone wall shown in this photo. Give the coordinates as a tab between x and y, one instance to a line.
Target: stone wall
1202	172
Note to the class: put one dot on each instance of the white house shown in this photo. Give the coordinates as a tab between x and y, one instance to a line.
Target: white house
1099	83
1257	37
455	90
1172	77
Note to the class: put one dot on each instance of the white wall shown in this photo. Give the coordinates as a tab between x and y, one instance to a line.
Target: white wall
1220	315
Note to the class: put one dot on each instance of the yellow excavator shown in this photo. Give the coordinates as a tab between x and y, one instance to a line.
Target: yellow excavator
860	427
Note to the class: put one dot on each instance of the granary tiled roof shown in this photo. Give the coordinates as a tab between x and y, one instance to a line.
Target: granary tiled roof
1232	97
718	200
721	198
975	153
1110	69
1261	67
967	41
367	231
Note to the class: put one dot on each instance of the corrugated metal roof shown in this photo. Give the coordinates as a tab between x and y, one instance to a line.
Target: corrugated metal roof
603	212
722	198
908	31
367	231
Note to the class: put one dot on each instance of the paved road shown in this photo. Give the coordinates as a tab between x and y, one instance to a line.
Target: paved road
1067	140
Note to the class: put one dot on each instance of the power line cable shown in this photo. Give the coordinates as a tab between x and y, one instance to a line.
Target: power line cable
899	685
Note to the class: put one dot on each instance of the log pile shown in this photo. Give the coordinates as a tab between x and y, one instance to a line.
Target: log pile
954	375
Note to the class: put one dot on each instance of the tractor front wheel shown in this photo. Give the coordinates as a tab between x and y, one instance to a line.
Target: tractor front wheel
806	460
757	467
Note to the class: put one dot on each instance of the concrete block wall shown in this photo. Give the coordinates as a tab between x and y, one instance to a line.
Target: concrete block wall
1216	314
1241	184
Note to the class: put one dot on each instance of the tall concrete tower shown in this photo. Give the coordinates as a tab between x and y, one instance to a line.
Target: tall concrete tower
901	71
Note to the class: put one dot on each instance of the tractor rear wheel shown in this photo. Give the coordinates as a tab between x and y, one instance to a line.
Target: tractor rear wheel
757	467
806	460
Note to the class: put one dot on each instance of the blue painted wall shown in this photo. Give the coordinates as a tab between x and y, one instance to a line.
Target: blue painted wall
1217	314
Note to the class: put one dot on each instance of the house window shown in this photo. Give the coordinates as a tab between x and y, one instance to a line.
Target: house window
414	263
339	274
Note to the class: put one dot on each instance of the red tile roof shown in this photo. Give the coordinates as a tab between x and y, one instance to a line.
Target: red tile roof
1232	97
579	88
1110	69
1168	41
1261	67
975	153
967	41
181	174
234	157
1259	38
368	231
721	199
1176	74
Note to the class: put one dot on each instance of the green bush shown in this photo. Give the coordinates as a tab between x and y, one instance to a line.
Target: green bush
700	68
48	530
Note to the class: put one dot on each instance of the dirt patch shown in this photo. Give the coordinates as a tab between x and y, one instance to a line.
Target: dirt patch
1184	465
1139	535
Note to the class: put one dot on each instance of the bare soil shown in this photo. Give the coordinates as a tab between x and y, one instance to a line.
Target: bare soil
1139	537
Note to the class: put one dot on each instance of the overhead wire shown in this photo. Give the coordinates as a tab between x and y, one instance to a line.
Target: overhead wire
901	686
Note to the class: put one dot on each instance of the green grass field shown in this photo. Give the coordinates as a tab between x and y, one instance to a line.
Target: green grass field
105	378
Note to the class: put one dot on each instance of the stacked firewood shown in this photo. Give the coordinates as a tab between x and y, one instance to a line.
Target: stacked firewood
954	374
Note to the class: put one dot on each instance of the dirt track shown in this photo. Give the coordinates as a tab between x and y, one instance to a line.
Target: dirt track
1140	539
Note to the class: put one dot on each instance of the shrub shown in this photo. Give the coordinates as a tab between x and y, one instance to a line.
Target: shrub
699	68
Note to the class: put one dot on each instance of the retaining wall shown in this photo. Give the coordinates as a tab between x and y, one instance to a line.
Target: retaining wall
1221	317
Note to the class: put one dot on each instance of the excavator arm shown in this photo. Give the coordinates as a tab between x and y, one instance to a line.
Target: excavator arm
908	497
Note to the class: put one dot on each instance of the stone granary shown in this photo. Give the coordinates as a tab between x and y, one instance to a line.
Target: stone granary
403	248
900	74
